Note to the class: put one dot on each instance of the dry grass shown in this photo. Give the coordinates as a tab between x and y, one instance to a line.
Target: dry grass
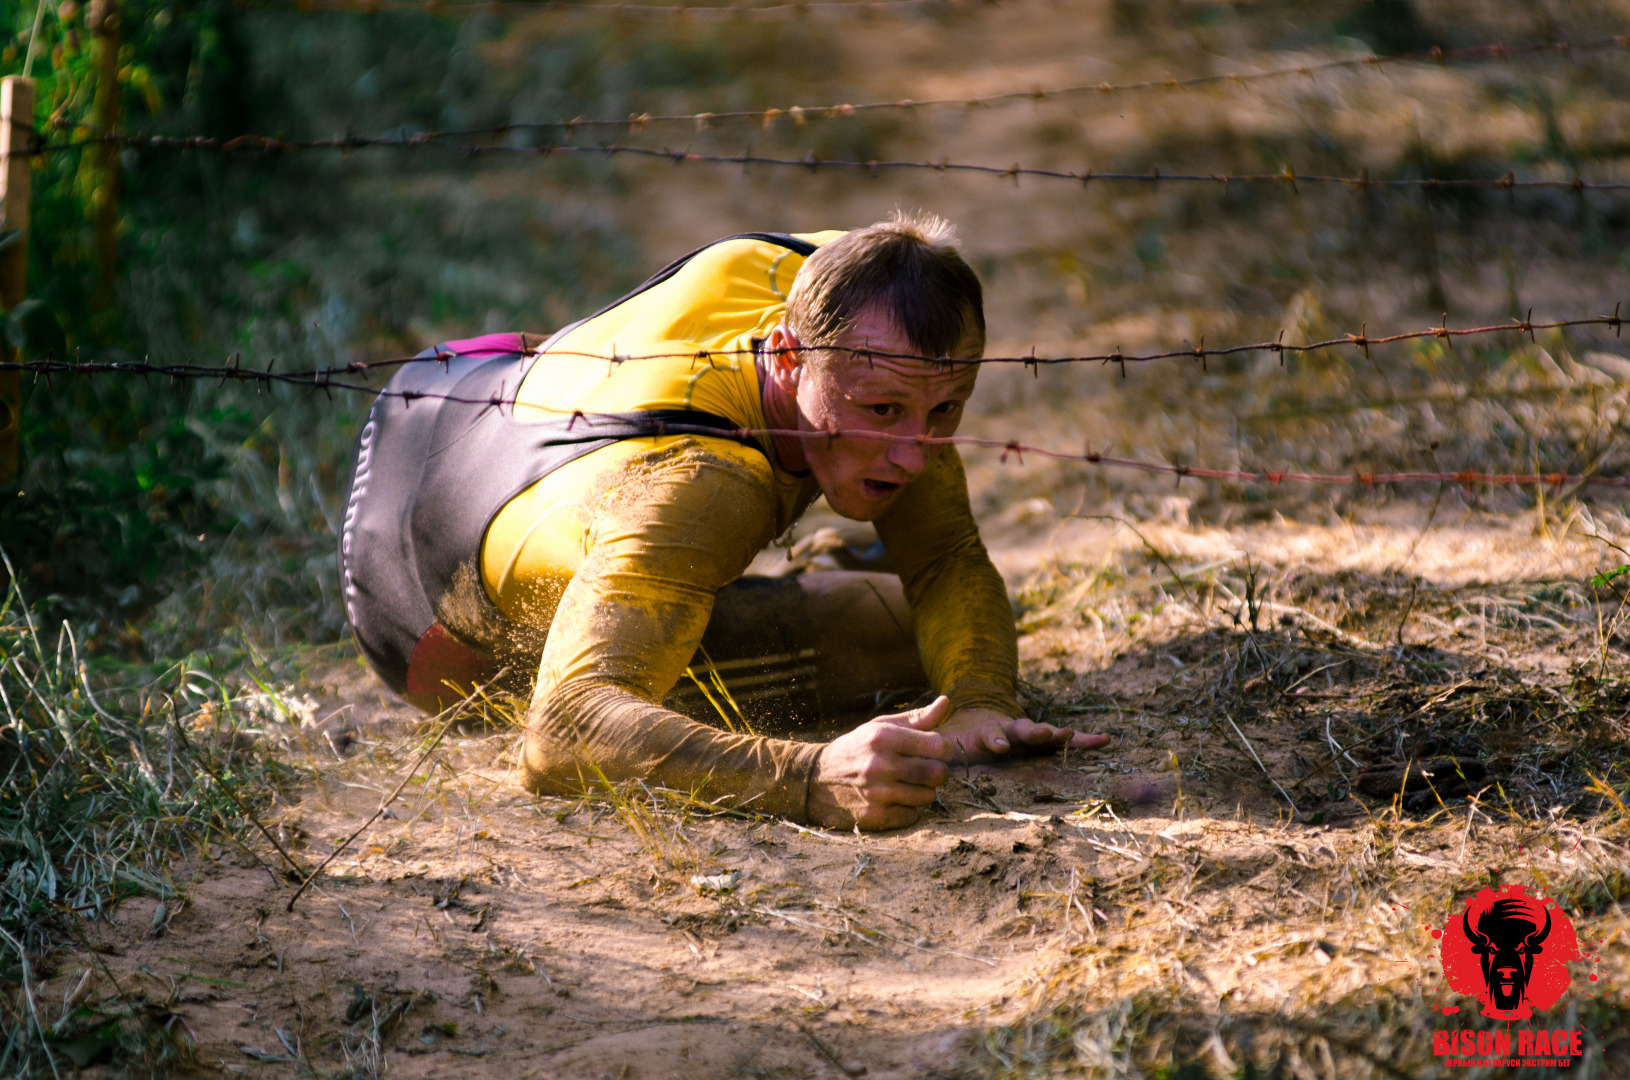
1432	739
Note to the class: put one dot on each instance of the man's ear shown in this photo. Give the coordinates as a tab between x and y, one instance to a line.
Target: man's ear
786	361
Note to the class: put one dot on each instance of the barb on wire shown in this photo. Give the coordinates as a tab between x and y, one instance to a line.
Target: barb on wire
1463	478
323	377
802	114
266	144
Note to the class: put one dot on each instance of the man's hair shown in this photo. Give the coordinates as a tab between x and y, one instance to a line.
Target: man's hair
909	267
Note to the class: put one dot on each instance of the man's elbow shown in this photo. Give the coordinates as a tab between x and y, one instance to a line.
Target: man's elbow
555	755
549	767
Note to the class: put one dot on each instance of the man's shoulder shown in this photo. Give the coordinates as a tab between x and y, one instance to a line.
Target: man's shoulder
749	255
701	493
699	463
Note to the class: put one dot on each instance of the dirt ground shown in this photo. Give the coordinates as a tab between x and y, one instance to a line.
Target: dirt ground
474	930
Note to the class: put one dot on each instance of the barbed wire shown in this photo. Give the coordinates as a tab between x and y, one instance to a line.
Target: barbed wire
325	379
322	378
1014	447
267	144
802	114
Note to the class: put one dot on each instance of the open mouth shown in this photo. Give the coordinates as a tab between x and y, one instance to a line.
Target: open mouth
879	489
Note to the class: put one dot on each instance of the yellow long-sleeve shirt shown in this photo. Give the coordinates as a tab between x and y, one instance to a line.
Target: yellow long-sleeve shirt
620	552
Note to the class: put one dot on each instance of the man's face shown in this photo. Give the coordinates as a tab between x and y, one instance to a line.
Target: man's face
862	477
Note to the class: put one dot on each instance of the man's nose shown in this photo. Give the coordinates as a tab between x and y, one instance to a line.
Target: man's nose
911	456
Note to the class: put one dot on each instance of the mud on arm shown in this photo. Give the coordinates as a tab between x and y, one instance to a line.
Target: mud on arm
671	529
958	601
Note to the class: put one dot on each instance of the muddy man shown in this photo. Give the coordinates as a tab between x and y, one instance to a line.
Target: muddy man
584	507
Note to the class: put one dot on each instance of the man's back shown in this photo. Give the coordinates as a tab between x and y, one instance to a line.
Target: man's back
690	342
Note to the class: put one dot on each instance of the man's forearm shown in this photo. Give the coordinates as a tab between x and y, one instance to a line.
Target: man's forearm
965	629
958	602
585	732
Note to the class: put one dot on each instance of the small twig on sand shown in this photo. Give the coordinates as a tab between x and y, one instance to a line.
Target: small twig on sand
864	934
1258	761
1336	746
1399	634
848	1068
295	870
1130	835
453	712
823	835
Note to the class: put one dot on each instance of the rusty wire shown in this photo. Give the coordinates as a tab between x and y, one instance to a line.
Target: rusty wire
801	114
1014	447
1287	176
323	377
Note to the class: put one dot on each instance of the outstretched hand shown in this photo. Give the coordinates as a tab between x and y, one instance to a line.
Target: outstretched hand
984	735
877	775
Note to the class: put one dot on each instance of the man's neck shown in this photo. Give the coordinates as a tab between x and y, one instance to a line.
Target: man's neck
781	413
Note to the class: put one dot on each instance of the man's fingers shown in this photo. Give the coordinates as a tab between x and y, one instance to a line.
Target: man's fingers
927	718
899	794
1060	737
1002	737
908	742
1033	734
921	771
999	737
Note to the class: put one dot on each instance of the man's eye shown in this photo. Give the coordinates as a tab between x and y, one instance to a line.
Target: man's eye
882	410
946	407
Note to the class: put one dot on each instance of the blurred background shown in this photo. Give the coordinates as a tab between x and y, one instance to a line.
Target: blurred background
160	515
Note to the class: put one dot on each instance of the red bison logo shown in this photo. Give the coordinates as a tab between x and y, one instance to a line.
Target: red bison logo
1510	951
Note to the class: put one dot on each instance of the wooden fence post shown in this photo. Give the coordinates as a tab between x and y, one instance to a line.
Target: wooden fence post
16	139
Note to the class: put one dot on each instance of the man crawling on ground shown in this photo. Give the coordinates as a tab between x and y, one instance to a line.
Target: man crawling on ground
585	508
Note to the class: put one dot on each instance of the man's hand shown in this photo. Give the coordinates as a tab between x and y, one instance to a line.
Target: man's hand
877	775
982	735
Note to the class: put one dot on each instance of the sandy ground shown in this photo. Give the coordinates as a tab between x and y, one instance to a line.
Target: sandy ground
558	948
557	945
474	930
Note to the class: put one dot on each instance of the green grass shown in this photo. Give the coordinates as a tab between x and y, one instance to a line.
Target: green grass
102	799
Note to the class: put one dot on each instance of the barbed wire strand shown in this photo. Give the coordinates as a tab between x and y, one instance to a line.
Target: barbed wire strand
322	377
801	114
266	144
1014	447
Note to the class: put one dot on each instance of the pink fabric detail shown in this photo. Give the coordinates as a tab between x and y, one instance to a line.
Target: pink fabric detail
485	344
